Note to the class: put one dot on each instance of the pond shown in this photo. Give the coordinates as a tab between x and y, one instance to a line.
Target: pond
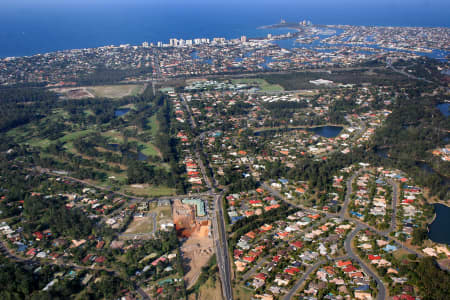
114	147
383	153
325	131
443	107
120	112
426	167
439	229
142	156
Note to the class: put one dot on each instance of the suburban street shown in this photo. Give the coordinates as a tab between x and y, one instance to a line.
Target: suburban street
348	248
347	195
359	226
395	195
252	271
297	285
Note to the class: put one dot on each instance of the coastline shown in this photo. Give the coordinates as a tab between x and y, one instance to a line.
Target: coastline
435	199
431	221
280	25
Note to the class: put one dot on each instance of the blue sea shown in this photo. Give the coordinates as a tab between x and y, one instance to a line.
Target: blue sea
31	27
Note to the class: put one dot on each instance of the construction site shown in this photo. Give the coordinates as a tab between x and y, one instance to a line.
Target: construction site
194	228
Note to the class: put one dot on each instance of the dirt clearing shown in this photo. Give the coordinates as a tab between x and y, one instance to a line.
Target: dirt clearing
196	252
141	225
103	91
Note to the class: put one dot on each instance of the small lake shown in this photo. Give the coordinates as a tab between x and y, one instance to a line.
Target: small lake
120	112
443	107
114	147
426	167
439	230
383	153
142	156
325	131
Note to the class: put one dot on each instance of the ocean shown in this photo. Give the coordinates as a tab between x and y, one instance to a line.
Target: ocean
46	26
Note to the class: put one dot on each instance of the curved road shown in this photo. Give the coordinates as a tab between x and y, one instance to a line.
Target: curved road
348	193
347	243
294	289
348	248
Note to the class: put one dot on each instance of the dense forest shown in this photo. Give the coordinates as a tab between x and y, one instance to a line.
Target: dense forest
433	283
22	197
20	106
103	75
20	281
300	80
414	128
41	213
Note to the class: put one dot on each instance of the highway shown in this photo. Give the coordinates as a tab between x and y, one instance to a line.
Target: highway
219	229
188	109
409	75
222	249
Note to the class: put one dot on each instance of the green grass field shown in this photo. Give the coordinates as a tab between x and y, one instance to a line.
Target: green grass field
70	136
115	136
150	150
37	142
154	126
19	133
261	83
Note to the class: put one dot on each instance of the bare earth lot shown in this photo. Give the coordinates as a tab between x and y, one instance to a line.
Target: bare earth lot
102	91
140	225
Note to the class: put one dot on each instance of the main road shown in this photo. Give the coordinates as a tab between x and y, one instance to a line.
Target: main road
221	244
219	229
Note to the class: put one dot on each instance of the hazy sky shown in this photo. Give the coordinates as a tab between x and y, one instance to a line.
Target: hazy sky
413	8
436	12
427	5
418	3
